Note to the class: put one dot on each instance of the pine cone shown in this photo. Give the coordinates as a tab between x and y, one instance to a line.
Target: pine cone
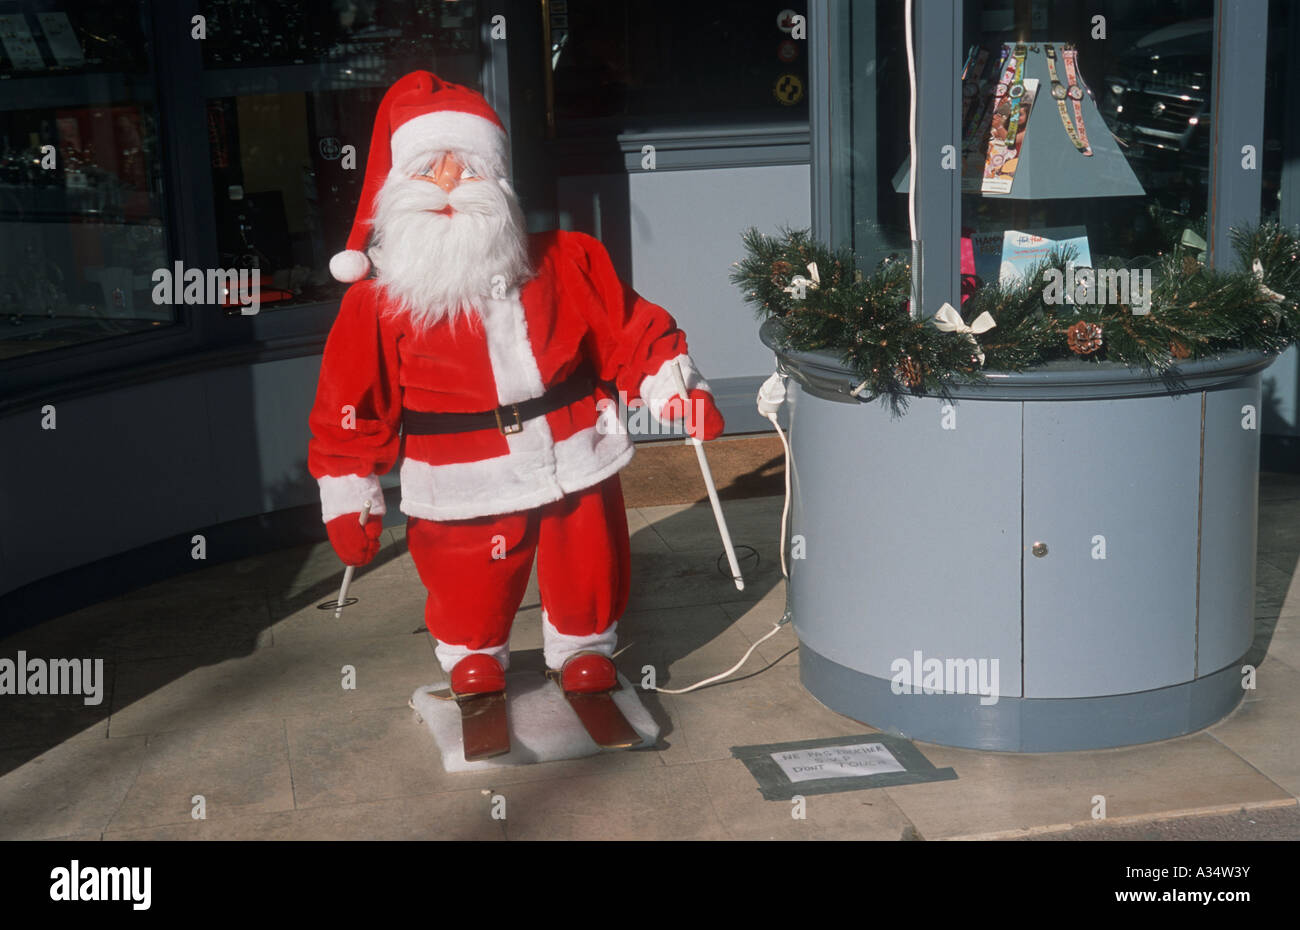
909	372
1190	265
1178	350
781	272
1083	337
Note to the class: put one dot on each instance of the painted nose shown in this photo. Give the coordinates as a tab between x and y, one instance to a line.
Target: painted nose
446	173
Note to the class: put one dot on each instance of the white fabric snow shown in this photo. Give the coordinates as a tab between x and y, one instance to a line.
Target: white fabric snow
543	727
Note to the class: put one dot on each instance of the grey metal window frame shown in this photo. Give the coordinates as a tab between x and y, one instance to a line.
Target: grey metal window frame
748	146
1240	31
1241	28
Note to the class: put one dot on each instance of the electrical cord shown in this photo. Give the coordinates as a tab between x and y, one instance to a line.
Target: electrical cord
731	671
772	394
770	398
911	126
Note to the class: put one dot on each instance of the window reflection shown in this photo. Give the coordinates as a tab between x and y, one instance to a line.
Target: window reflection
81	212
869	136
641	66
1111	156
293	89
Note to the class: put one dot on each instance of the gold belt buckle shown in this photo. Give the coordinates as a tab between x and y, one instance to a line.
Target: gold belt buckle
507	428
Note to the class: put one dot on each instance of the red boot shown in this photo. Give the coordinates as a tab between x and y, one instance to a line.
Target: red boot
588	673
477	673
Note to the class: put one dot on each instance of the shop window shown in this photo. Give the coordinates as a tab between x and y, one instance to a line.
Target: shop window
357	33
292	91
1095	143
81	199
869	157
642	66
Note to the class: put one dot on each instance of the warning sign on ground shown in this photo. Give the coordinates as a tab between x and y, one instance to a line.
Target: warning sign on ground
837	762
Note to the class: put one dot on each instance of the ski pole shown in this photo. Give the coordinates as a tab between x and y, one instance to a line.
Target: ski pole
708	484
347	575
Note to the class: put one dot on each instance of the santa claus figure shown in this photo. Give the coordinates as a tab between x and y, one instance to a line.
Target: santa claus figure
491	362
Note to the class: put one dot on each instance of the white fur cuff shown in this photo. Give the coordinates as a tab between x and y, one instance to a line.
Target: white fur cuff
449	654
559	647
417	140
347	493
659	388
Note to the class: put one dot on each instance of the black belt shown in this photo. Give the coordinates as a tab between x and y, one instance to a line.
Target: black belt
506	420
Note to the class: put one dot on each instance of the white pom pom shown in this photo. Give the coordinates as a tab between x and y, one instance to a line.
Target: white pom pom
349	266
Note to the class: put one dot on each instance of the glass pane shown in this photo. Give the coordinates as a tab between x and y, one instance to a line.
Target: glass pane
359	33
1082	140
1281	72
81	210
287	98
641	66
869	135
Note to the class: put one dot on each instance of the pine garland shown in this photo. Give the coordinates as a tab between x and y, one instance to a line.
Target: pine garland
1195	312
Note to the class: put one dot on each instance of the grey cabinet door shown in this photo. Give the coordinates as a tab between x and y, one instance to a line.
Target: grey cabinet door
911	531
1123	474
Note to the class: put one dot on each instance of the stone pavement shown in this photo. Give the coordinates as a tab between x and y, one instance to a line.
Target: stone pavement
226	684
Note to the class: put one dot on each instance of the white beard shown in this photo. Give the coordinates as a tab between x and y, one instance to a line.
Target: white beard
433	265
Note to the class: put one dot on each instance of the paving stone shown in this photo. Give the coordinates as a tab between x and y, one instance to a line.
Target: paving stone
663	803
846	815
453	815
1263	730
70	789
303	678
1014	794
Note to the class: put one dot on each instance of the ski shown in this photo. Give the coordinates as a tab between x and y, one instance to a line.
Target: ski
484	727
600	716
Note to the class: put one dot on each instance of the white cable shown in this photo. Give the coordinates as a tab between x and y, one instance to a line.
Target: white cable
770	397
767	402
708	681
911	121
785	511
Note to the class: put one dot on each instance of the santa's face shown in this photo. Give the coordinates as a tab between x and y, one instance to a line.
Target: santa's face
447	235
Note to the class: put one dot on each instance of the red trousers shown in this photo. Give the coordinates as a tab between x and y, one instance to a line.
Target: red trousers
477	570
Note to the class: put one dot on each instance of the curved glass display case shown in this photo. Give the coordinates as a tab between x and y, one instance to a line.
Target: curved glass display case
1081	533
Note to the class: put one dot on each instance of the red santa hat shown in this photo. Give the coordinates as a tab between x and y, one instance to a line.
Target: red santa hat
418	117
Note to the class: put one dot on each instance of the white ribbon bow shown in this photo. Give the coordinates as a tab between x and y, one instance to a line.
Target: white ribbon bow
949	320
1258	267
799	284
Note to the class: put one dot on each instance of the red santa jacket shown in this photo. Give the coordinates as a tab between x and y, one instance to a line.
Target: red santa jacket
514	349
